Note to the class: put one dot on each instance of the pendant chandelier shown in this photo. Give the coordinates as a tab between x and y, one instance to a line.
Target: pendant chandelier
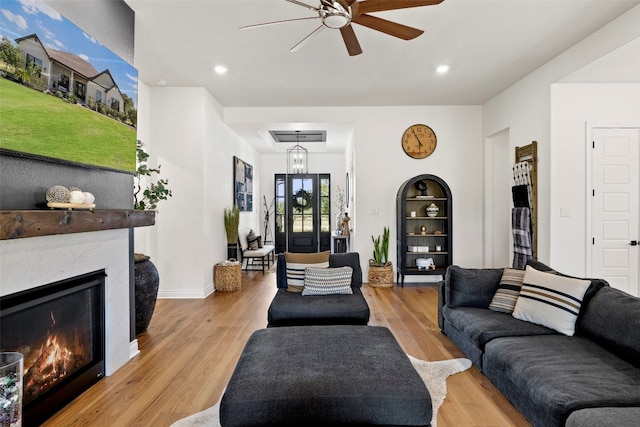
297	157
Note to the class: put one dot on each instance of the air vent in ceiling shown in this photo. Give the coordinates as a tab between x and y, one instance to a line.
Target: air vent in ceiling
291	136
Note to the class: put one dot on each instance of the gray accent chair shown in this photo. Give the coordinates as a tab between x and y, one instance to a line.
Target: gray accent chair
293	309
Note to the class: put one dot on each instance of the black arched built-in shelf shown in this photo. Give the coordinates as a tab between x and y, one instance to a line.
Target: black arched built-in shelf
421	235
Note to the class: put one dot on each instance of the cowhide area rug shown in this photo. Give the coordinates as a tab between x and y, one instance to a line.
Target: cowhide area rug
434	375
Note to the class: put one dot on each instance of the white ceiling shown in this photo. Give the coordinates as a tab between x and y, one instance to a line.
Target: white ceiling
489	45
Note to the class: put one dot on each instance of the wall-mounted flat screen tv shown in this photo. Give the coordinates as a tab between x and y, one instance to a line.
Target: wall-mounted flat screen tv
63	94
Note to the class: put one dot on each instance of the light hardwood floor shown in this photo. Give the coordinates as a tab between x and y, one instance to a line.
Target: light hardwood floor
191	347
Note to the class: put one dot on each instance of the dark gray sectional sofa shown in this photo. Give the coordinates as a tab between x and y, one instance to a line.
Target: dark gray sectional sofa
589	379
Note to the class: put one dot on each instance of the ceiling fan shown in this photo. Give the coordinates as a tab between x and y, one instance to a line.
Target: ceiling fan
340	14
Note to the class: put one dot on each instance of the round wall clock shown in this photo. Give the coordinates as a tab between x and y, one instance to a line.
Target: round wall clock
419	141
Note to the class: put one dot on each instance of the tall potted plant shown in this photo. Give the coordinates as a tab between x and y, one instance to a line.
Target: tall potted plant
231	222
380	268
147	280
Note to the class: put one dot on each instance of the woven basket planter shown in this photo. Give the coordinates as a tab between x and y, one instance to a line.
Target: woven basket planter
228	276
380	276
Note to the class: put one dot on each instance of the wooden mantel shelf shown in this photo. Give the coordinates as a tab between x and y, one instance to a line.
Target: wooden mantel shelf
32	223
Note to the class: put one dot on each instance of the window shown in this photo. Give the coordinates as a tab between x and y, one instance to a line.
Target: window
98	96
35	64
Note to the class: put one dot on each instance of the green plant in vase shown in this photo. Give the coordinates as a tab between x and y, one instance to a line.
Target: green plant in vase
381	248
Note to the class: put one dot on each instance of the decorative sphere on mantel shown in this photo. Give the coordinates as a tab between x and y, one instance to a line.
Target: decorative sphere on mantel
89	197
58	194
76	196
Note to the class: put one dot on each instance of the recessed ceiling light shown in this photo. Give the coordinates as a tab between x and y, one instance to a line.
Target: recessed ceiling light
220	69
442	69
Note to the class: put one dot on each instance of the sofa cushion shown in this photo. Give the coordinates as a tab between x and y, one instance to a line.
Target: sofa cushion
479	326
547	377
327	281
550	300
469	287
350	259
604	417
292	309
506	296
298	262
612	319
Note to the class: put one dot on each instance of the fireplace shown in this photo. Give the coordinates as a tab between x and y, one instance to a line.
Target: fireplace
60	330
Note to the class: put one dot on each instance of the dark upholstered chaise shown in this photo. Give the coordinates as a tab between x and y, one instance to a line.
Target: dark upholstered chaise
293	309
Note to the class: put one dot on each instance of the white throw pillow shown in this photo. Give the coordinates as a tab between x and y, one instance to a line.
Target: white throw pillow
550	300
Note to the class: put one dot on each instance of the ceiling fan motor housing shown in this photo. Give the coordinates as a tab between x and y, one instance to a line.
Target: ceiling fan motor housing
334	14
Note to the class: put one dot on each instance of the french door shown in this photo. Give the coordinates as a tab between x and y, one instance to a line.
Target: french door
303	213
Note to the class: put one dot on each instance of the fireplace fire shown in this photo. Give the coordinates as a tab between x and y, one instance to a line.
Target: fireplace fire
59	328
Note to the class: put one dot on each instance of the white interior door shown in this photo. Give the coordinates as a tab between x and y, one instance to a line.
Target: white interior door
615	207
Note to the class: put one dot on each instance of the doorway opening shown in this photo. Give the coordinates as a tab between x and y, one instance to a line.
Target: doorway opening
302	213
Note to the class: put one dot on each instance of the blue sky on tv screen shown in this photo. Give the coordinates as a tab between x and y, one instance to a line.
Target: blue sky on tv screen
19	18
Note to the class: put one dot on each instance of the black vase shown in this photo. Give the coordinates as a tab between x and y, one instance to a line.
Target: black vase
232	251
147	282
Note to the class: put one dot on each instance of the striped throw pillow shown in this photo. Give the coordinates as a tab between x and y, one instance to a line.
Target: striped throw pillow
327	281
550	300
252	240
296	265
508	290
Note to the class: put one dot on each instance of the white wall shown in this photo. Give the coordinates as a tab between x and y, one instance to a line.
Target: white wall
573	106
525	109
380	166
184	132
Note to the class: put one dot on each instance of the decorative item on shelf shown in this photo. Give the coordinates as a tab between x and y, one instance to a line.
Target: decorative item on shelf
438	248
424	263
380	268
432	210
345	225
413	214
423	230
228	276
231	222
147	283
11	370
421	186
438	232
59	196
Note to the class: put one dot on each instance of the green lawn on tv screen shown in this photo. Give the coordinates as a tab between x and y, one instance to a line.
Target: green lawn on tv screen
37	123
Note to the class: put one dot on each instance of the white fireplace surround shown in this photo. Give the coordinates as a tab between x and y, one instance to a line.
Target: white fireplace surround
36	261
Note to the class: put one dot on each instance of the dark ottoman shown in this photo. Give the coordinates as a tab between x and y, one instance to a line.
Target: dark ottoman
324	375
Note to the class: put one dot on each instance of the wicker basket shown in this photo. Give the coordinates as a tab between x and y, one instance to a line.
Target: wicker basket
380	276
228	276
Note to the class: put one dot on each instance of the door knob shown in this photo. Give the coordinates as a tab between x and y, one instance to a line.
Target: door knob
633	243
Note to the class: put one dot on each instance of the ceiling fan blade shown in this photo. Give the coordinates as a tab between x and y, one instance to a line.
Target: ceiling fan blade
299	3
266	24
388	27
302	42
350	40
368	6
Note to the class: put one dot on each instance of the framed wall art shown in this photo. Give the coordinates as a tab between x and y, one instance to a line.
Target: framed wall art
243	184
